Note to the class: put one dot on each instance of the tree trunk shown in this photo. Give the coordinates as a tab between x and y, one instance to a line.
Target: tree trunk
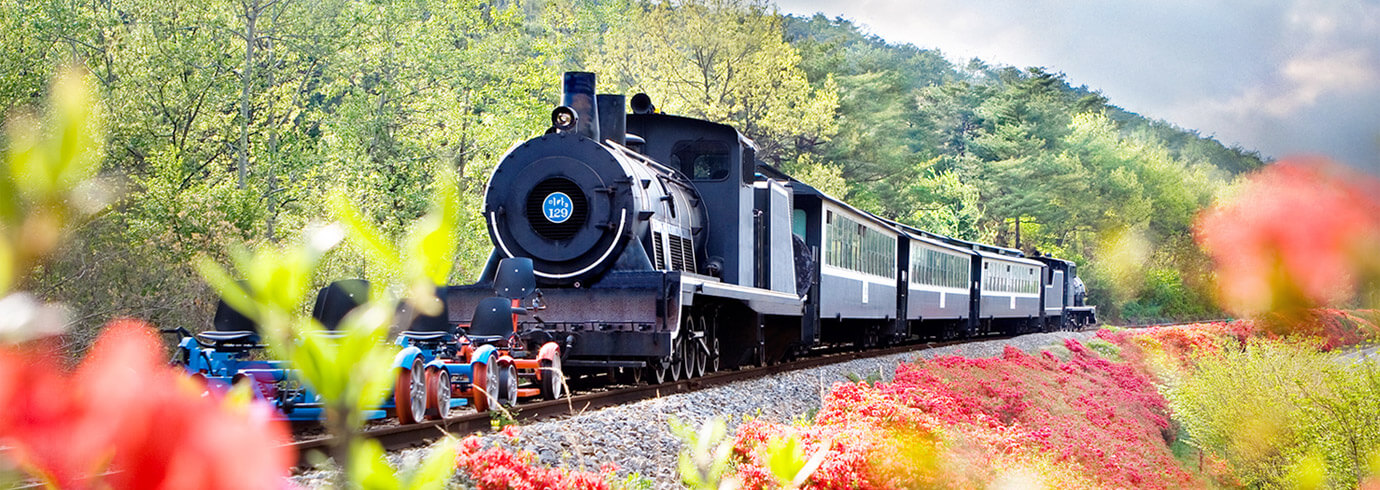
251	14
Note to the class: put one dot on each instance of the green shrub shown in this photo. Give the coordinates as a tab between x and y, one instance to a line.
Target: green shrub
1272	411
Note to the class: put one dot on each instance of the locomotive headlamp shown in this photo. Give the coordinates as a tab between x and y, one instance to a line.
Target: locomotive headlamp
563	118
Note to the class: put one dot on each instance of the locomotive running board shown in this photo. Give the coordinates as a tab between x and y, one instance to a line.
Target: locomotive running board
601	364
763	301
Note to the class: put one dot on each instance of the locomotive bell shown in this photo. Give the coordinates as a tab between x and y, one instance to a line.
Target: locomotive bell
578	94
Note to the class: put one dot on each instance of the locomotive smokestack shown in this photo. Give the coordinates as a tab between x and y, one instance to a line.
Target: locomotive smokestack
613	120
578	90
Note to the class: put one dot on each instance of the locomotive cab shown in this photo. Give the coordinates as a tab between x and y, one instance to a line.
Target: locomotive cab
718	162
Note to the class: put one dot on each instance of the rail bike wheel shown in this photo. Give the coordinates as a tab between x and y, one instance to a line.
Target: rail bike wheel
409	393
437	393
507	385
484	380
552	379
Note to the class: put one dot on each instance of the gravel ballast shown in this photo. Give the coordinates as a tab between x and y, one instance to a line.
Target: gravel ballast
637	436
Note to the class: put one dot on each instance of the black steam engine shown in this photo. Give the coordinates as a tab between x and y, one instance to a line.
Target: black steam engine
662	247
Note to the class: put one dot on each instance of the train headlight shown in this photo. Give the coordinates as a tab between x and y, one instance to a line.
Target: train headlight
564	118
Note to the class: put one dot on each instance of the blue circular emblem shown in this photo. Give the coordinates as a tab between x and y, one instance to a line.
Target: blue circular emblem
557	207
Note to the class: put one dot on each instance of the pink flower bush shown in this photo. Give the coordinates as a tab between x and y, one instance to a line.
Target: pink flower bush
961	423
1326	328
125	419
495	468
1298	234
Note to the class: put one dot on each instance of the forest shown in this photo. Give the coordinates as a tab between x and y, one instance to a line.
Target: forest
234	122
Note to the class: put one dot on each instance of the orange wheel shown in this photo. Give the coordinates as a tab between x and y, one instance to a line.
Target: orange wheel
507	385
552	379
409	393
437	393
479	387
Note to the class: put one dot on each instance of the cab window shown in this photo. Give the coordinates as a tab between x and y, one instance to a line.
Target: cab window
702	160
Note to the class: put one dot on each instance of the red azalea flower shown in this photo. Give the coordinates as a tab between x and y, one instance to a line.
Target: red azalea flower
127	412
956	422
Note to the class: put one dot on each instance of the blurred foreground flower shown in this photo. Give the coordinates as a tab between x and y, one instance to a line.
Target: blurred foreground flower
124	419
1298	234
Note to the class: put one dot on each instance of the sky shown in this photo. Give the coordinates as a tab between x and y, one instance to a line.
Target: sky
1283	77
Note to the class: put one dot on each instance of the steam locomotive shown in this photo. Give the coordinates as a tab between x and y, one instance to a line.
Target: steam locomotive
663	248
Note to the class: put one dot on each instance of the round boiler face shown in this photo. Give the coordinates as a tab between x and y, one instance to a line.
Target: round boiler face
562	200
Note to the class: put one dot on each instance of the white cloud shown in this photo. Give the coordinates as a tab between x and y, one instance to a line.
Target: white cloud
1341	71
1280	76
1298	85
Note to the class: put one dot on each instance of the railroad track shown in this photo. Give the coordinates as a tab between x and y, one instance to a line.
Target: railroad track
404	436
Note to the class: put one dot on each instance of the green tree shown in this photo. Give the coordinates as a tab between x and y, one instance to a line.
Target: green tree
722	60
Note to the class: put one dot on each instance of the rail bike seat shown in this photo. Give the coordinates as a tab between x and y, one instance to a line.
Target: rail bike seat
231	327
493	320
336	300
487	339
415	335
426	327
245	336
515	278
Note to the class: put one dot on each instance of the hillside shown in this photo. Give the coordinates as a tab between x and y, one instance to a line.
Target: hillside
226	125
980	152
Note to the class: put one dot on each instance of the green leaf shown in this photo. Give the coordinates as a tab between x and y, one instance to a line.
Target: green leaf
431	247
6	266
240	394
364	234
436	470
314	357
785	458
363	358
75	143
26	165
227	287
704	458
369	467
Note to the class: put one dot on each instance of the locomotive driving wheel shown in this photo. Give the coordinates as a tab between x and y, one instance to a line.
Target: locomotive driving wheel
713	366
626	375
688	355
677	359
700	348
657	370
